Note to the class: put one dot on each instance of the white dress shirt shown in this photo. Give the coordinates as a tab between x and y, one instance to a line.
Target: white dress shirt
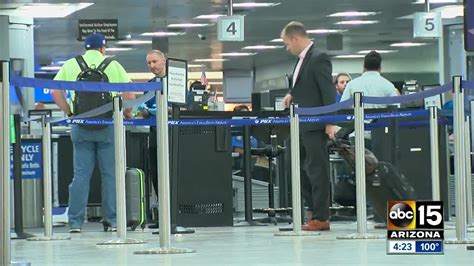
301	57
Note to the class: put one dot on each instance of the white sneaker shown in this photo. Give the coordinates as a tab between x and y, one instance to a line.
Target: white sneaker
75	230
112	229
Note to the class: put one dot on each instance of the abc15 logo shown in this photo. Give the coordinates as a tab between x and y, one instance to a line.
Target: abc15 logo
415	215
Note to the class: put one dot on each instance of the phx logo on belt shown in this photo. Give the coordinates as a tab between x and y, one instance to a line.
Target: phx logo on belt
401	215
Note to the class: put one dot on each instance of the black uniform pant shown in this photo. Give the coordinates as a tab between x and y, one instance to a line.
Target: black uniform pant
315	180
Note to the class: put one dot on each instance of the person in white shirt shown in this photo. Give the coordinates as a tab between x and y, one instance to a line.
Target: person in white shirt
371	83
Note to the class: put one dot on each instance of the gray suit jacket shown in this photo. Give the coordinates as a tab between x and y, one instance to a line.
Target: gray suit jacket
314	86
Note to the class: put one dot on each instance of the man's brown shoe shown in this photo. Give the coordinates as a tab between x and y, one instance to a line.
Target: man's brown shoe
316	225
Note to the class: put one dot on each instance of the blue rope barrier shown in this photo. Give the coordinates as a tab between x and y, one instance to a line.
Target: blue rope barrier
85	86
407	98
324	109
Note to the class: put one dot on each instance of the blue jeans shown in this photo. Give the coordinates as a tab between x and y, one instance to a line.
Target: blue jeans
87	146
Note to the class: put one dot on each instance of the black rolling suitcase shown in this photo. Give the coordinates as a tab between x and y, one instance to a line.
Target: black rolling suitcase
383	181
387	183
135	199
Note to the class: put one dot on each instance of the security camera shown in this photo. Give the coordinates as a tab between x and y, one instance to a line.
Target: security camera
201	37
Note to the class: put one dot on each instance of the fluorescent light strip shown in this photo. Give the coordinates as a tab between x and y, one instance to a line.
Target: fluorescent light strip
118	49
162	34
134	42
237	54
349	56
192	65
324	31
408	44
378	51
436	1
50	68
277	40
262	47
357	22
253	4
188	25
210	16
210	60
215	83
353	14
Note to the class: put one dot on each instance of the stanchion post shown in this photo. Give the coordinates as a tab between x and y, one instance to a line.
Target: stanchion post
120	169
296	177
467	147
360	165
360	172
164	177
47	187
5	249
434	140
459	164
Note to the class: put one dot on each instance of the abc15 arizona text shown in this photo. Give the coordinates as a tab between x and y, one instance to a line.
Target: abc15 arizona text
415	220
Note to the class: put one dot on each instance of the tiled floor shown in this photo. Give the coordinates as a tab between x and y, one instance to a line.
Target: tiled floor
232	246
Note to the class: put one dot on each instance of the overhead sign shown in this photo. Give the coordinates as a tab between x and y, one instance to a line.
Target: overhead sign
427	25
31	160
108	27
469	25
177	73
230	28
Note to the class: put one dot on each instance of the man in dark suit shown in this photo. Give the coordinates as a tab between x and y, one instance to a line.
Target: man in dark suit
311	87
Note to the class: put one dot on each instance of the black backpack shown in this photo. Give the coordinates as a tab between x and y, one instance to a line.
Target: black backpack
85	101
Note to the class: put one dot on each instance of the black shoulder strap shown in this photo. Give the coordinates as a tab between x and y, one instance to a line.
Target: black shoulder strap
105	64
82	63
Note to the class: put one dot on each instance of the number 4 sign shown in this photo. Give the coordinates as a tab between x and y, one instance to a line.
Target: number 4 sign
427	25
230	28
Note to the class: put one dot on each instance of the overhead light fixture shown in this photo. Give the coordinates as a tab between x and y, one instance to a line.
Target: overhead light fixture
277	40
118	49
408	44
324	31
353	14
357	22
43	10
215	83
210	60
210	16
50	68
262	47
447	12
193	66
349	56
134	42
188	25
162	34
436	1
254	4
378	51
237	54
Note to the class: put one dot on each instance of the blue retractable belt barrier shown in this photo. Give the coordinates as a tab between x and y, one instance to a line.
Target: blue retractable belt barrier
466	84
243	122
85	85
324	109
406	98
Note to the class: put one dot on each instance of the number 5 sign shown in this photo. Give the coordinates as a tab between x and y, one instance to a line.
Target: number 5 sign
230	28
427	25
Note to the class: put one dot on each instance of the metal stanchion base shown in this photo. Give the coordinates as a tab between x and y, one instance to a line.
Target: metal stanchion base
127	241
360	236
455	241
301	233
165	251
48	238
